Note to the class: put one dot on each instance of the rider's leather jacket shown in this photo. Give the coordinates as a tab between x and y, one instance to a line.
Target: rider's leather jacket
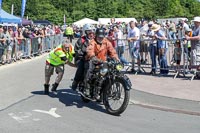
101	51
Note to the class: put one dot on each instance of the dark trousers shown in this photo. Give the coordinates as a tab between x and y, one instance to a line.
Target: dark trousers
70	37
153	51
1	53
79	76
163	62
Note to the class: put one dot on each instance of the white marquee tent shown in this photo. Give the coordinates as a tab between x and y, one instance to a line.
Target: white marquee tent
107	20
176	20
85	21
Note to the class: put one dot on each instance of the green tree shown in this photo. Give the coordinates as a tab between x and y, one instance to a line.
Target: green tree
54	10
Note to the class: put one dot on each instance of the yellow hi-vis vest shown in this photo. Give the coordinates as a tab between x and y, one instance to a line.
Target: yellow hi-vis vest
54	57
69	31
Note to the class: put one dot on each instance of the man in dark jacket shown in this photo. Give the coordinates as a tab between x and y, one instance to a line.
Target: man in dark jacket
80	53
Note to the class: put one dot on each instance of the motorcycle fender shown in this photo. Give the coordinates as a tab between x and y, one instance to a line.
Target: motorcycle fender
127	82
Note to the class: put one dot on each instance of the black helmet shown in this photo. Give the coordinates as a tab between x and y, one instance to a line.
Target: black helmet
100	32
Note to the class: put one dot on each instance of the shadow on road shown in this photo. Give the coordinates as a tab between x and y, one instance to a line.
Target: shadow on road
72	98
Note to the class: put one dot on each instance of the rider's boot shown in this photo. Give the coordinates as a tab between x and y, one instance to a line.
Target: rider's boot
74	85
100	99
46	89
87	90
54	87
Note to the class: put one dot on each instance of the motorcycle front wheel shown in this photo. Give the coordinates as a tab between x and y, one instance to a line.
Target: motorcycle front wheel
116	97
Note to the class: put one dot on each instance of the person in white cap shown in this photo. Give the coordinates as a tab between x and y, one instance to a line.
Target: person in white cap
184	24
195	44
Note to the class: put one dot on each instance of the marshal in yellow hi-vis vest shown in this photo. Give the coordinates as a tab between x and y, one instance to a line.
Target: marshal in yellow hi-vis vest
69	31
62	54
55	56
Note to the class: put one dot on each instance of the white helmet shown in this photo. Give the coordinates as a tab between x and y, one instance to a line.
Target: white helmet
88	27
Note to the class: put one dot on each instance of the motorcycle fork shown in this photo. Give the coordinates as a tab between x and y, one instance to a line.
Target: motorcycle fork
110	81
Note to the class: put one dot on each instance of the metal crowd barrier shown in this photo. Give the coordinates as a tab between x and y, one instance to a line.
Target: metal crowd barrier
185	68
30	47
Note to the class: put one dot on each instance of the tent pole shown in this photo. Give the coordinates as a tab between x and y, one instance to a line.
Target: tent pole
12	9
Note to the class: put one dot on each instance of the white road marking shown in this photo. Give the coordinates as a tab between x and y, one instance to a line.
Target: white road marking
51	112
20	117
131	102
36	119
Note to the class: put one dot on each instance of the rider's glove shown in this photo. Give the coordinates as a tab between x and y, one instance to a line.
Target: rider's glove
96	60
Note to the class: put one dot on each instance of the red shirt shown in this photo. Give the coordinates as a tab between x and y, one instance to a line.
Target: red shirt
112	40
57	31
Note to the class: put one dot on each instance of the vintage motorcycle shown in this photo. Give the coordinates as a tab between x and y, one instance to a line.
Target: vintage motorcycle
107	84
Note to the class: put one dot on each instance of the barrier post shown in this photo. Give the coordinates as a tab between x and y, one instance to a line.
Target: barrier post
35	46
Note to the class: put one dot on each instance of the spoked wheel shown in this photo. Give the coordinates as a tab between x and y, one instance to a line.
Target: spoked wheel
116	97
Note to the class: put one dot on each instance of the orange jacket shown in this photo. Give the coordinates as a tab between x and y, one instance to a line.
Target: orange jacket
101	51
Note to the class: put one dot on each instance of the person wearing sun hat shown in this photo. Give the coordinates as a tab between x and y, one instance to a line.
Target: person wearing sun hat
196	31
152	48
195	44
162	48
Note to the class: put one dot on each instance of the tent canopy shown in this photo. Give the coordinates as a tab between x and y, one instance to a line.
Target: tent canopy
8	18
175	20
85	21
106	21
26	22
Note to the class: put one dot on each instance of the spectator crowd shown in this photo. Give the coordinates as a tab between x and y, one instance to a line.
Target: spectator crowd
151	42
17	41
147	41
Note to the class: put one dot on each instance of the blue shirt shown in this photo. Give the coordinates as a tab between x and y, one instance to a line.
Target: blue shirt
161	43
195	32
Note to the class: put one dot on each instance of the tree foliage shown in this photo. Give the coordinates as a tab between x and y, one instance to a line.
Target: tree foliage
54	10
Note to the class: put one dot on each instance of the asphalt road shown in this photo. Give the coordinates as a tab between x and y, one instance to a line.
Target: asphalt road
24	108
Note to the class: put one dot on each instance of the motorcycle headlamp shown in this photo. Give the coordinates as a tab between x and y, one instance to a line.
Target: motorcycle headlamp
103	71
119	67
